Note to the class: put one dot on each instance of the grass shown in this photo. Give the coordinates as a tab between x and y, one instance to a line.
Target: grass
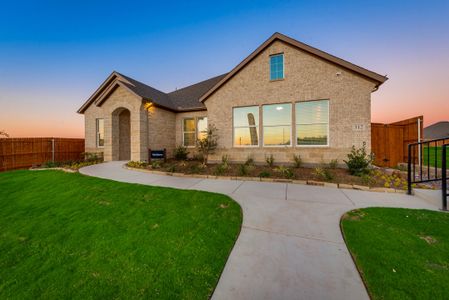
400	253
68	236
431	154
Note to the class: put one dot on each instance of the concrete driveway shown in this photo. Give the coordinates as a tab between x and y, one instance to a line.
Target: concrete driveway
290	246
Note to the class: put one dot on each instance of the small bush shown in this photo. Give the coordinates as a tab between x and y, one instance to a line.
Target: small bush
249	161
367	179
286	172
225	161
359	162
323	174
264	174
155	164
171	168
297	161
195	169
181	152
220	169
333	164
243	170
137	164
270	160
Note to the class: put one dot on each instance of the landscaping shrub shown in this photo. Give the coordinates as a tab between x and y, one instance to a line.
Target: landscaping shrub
155	164
333	164
225	161
137	164
249	161
171	168
209	143
323	174
270	160
181	152
359	162
220	169
264	174
243	169
297	161
286	172
195	169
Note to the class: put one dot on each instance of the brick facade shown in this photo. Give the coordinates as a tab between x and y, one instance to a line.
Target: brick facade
307	77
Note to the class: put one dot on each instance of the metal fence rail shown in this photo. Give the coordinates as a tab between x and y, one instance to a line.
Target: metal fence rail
427	162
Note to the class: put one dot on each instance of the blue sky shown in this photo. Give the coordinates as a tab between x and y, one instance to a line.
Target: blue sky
54	54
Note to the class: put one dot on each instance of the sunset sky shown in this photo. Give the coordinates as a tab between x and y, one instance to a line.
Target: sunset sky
53	55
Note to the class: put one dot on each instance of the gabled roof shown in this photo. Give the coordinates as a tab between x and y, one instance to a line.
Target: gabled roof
377	78
437	130
192	97
185	99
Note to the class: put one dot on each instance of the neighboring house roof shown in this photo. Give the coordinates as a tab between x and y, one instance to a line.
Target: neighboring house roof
377	78
192	97
438	130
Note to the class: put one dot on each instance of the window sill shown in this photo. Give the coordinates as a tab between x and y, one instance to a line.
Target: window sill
280	79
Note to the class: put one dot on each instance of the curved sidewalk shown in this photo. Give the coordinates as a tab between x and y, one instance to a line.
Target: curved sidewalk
290	246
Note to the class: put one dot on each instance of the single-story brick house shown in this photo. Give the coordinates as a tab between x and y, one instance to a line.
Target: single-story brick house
285	98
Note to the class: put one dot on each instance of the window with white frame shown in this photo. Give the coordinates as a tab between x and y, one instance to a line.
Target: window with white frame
201	126
277	66
312	123
100	132
188	132
277	124
246	126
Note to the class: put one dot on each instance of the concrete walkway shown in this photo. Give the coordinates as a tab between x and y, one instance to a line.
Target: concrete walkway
290	246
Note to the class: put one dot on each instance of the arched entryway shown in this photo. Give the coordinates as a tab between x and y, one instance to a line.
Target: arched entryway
121	134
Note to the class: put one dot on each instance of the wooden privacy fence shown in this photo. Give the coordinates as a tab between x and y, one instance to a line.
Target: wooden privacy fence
389	141
20	153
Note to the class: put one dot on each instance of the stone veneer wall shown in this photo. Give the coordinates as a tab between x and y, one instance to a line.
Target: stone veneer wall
120	99
306	78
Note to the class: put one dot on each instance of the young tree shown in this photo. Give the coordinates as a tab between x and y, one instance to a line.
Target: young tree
208	144
4	133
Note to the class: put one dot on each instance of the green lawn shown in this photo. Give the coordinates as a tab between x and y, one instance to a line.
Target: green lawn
68	236
431	152
401	253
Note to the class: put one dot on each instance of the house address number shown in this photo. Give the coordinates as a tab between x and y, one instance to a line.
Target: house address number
358	127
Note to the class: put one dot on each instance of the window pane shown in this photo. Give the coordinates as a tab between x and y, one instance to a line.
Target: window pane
277	136
246	116
189	139
246	136
100	132
312	112
313	134
276	67
202	127
277	114
189	124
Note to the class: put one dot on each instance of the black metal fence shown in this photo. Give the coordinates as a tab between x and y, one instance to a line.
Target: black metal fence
428	162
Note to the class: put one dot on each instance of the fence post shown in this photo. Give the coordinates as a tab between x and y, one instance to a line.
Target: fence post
444	177
53	150
409	170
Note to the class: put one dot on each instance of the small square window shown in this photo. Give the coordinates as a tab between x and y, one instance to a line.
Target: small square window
277	66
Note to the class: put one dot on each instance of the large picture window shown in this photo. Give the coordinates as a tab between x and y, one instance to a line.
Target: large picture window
188	132
246	126
100	132
277	124
312	123
201	127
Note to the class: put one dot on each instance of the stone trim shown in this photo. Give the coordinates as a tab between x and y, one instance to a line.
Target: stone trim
304	182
